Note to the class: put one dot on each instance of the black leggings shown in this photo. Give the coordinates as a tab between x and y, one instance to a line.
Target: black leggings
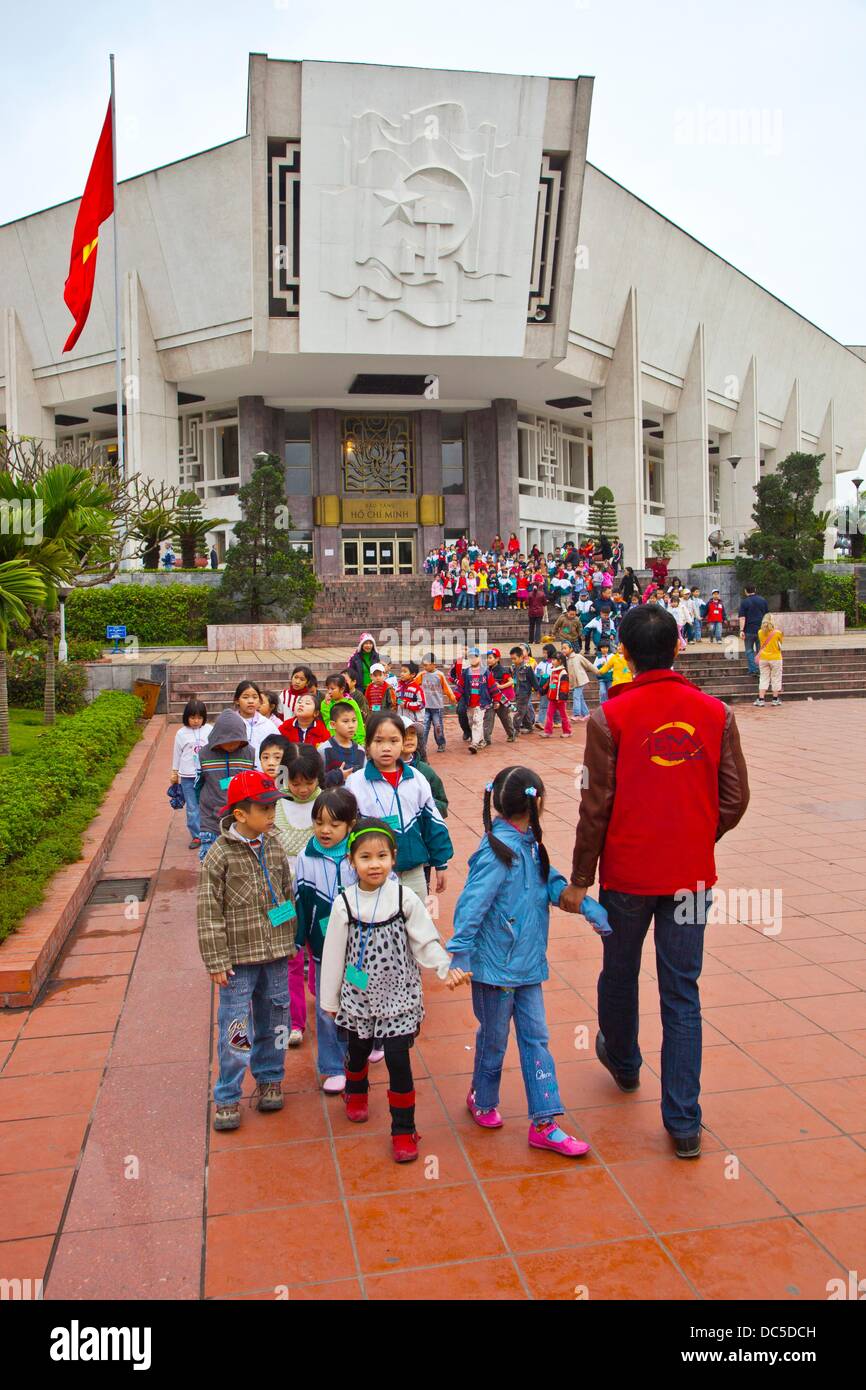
397	1060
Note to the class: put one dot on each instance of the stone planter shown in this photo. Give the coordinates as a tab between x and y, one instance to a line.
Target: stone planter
253	637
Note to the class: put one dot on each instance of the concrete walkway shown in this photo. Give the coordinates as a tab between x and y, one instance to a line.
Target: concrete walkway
112	1184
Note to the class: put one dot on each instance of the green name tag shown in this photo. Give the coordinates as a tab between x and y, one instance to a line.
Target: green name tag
393	822
376	709
323	924
283	913
359	978
224	783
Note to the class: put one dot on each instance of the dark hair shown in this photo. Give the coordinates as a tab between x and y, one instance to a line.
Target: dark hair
517	651
192	708
377	720
245	685
305	672
275	741
750	589
337	708
307	762
549	650
431	658
411	666
272	698
370	826
339	803
337	679
651	638
513	791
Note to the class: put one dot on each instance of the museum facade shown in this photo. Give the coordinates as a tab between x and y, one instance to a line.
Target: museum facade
412	287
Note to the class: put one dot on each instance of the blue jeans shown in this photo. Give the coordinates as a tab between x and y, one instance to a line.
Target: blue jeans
696	629
433	719
259	992
494	1008
330	1052
579	707
752	643
679	957
715	632
603	691
208	837
187	786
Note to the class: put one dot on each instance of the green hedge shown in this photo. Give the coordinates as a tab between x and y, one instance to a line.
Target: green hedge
155	614
25	678
831	592
49	796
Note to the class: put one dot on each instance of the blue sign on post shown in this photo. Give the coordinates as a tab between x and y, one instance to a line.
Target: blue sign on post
115	634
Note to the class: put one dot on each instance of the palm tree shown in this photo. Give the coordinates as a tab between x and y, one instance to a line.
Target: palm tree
20	584
191	528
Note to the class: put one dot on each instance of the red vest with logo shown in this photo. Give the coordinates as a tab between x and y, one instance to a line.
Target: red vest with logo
662	830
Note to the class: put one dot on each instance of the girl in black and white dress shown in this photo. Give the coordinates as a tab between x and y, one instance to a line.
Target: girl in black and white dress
379	932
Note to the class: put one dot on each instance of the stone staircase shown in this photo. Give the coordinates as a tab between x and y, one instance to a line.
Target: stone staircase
346	607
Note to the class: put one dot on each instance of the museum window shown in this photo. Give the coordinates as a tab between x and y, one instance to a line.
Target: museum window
298	456
715	493
453	454
653	476
554	459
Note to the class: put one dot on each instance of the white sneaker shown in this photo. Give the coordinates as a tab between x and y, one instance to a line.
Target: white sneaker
760	703
296	1037
333	1085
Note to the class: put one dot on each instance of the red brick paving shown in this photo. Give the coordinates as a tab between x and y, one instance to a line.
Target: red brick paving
112	1182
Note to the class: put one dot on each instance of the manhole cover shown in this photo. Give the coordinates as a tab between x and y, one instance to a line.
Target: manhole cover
117	890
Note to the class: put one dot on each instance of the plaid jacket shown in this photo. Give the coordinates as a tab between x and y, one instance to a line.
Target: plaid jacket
233	902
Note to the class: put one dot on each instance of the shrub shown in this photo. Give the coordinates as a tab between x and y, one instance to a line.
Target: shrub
155	614
25	678
59	768
832	592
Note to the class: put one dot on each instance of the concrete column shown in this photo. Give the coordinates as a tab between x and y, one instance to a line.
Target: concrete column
260	427
617	437
152	431
569	222
827	447
790	437
25	414
745	441
687	501
429	437
327	482
508	501
481	480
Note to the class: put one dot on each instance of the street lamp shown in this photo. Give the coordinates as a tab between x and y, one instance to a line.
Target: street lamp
62	646
733	461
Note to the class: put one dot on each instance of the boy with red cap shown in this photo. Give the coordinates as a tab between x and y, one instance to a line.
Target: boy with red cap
246	936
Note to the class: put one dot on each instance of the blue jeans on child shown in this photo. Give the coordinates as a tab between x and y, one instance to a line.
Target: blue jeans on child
433	719
207	837
579	707
330	1052
715	632
187	786
253	1007
679	956
494	1008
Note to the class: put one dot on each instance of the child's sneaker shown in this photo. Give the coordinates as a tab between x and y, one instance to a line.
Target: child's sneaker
377	1054
550	1136
227	1116
487	1119
775	702
269	1095
405	1147
357	1108
334	1085
760	704
296	1037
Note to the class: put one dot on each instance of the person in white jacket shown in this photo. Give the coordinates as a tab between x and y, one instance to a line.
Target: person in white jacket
379	932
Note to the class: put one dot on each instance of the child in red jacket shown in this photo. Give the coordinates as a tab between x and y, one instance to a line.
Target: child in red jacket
410	696
715	616
379	694
305	726
556	691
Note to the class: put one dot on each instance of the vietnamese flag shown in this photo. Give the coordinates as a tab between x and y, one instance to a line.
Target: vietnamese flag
96	204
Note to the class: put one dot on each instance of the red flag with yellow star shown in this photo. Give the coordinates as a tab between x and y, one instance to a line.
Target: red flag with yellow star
96	204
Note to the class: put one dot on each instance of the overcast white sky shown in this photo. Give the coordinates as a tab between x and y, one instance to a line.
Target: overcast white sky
743	121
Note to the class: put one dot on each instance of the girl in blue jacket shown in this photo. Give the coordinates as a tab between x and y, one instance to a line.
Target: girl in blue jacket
500	937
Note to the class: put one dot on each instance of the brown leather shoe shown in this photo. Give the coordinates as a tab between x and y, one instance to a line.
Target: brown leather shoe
227	1116
269	1095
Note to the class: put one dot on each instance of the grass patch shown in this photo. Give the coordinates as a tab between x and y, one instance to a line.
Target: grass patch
26	728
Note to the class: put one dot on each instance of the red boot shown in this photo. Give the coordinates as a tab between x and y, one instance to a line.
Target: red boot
357	1108
404	1141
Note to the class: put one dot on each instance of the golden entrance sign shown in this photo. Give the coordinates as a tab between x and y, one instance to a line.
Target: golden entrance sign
368	511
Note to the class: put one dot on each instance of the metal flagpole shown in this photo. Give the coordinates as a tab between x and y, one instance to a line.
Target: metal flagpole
118	373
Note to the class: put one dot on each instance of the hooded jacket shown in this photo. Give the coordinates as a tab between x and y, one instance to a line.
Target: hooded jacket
502	917
360	662
319	878
218	766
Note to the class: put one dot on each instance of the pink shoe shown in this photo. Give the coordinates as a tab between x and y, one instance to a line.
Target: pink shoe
552	1137
487	1119
377	1054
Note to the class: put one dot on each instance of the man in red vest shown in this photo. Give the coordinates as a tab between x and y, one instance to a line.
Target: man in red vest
657	751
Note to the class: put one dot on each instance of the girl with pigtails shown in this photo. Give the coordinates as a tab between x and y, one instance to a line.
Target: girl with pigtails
501	925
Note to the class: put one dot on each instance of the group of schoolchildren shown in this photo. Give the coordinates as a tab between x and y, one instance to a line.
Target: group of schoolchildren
317	855
464	576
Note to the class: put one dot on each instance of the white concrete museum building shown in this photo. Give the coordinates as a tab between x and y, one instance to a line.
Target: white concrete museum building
412	286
